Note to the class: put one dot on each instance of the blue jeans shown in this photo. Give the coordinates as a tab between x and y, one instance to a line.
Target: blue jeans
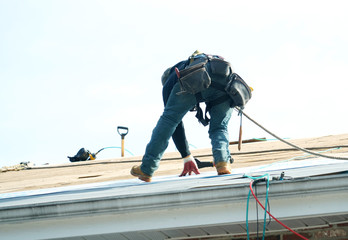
176	108
179	136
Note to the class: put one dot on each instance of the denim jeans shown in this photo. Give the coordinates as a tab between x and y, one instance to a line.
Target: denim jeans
179	136
176	108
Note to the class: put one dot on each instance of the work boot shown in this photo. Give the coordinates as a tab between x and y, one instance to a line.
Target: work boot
223	168
136	172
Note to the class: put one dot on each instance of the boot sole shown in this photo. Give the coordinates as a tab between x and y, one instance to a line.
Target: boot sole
141	177
223	171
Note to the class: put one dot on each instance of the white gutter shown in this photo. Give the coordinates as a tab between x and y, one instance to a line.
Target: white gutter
165	205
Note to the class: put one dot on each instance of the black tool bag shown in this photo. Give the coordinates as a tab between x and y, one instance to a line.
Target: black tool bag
194	79
220	67
238	90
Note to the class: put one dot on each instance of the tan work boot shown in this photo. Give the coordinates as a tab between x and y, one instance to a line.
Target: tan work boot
223	168
136	172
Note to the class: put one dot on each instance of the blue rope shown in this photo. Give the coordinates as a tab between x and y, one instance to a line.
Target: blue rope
118	148
273	139
267	190
192	146
265	213
247	215
293	158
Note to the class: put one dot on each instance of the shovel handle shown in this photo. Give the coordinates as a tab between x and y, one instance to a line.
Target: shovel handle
124	131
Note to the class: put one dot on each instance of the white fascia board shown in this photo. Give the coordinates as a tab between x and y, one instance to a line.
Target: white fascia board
214	205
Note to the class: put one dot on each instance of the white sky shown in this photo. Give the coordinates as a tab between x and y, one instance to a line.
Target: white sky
72	71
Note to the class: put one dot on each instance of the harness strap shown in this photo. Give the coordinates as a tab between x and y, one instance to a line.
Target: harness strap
218	86
217	101
204	119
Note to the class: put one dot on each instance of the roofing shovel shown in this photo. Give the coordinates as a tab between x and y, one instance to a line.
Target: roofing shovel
123	131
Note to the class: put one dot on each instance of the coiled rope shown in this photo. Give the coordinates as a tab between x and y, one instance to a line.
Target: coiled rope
286	142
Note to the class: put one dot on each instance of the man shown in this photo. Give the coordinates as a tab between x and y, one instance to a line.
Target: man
176	107
169	79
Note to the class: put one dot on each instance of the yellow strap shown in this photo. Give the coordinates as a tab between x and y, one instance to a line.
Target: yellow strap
195	53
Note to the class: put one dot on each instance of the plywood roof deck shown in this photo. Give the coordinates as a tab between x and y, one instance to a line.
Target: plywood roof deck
47	202
251	154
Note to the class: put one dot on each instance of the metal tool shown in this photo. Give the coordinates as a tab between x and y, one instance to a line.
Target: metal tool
240	133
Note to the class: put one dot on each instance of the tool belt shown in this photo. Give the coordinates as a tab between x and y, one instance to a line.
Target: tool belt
238	90
198	76
194	78
219	67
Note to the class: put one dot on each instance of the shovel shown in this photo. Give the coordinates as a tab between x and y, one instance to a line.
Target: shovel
123	131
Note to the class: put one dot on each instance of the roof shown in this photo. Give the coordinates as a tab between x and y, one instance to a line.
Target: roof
202	205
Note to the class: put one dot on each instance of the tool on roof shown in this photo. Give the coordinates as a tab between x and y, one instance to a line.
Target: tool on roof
85	155
123	131
240	133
